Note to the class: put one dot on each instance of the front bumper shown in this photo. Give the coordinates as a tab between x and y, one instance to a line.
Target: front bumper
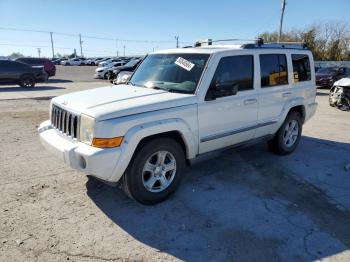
41	77
93	161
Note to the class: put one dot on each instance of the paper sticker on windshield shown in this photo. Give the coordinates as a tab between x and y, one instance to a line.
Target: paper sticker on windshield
185	64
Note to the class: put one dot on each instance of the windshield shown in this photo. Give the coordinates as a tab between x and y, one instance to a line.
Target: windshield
327	71
172	72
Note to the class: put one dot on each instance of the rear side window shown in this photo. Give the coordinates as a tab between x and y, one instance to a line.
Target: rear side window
301	68
273	70
238	70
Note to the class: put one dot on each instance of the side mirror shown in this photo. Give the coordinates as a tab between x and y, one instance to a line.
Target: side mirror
222	89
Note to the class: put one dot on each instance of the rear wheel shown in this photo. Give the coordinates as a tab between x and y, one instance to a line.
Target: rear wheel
27	81
288	136
105	76
155	171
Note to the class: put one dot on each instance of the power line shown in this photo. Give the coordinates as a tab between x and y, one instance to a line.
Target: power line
86	36
24	45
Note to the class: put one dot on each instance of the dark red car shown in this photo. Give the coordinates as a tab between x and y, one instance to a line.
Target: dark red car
49	67
325	77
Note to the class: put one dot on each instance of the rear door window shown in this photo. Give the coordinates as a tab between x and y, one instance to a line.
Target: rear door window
273	70
301	68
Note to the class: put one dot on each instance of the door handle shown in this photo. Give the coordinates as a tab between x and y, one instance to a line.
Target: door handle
286	94
250	101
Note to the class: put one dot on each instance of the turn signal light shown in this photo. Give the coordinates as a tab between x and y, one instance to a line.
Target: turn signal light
107	142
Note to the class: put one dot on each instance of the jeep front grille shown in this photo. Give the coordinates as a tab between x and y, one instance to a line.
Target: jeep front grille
65	121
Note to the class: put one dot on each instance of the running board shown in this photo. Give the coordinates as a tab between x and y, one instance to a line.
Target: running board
212	154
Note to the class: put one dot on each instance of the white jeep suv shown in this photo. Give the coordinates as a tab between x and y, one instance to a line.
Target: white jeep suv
180	104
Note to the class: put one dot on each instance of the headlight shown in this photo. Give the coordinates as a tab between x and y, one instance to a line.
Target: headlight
87	125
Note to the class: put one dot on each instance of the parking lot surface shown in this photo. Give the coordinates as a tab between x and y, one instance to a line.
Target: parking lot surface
240	205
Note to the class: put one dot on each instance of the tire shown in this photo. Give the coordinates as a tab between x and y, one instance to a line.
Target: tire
151	187
287	137
93	64
27	81
110	76
105	76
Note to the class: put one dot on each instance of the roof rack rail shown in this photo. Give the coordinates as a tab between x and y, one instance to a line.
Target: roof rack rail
285	45
257	43
207	42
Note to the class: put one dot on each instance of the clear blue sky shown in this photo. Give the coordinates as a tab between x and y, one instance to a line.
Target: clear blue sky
150	20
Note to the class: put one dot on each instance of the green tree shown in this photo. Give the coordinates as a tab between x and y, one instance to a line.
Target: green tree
15	55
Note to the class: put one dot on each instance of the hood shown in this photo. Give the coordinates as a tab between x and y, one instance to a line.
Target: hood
121	100
122	67
343	82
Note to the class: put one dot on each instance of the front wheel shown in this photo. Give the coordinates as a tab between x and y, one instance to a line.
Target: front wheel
155	171
288	136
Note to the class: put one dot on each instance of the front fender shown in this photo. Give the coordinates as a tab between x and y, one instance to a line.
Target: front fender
134	135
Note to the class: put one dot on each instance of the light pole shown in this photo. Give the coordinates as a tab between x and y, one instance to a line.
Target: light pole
177	41
39	51
281	20
53	51
81	46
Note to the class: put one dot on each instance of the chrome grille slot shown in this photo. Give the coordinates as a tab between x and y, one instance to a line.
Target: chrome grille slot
64	121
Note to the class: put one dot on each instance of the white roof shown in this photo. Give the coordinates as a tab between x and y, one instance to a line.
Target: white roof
210	49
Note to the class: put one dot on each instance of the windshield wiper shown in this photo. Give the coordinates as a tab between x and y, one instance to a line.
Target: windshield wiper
133	84
161	88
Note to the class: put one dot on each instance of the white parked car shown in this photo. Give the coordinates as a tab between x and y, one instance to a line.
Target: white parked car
178	105
96	61
73	61
105	61
111	60
102	71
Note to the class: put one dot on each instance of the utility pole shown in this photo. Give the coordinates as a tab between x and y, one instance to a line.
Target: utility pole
177	41
124	50
39	51
116	46
81	46
53	51
281	20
